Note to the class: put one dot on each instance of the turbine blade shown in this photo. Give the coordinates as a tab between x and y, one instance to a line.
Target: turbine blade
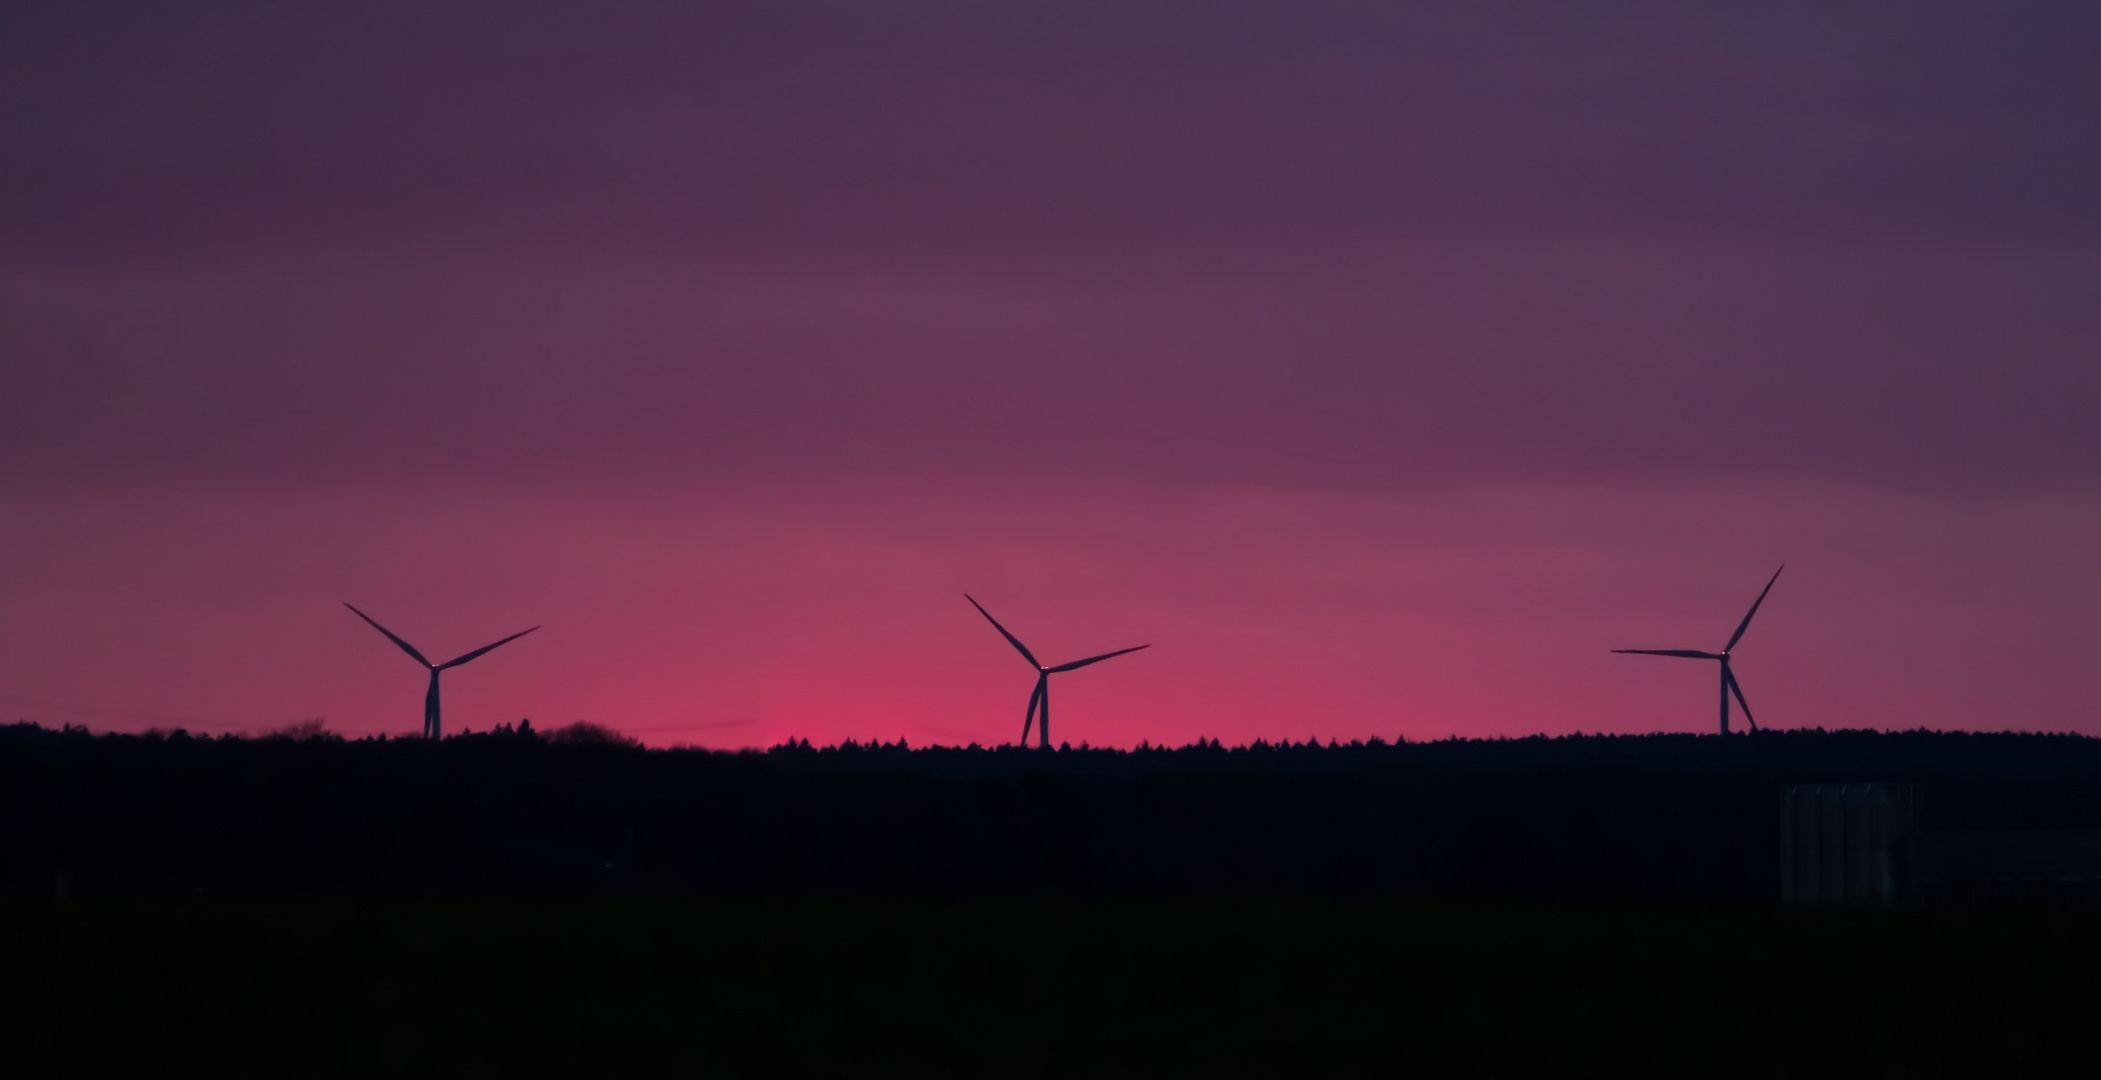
405	646
1094	659
1030	716
1689	653
1746	624
1011	639
1729	678
458	660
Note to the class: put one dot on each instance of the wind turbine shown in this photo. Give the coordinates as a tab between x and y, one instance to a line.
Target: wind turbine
430	700
1041	696
1728	678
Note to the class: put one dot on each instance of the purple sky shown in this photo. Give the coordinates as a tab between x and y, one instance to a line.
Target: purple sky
1320	340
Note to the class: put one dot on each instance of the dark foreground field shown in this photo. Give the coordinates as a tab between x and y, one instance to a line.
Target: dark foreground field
499	986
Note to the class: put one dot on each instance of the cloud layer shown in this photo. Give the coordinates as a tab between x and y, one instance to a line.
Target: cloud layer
1304	245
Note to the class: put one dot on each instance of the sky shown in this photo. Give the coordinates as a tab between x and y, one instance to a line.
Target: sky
1381	366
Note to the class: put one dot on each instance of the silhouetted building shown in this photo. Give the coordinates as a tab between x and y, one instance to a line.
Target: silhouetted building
1844	845
1855	845
2025	867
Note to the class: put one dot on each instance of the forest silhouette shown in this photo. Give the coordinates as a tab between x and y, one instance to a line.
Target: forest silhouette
1601	905
1667	818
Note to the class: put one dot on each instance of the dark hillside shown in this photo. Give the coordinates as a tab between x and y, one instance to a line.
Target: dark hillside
1665	818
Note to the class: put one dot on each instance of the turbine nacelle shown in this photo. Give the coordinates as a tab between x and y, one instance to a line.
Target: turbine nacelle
1729	684
1040	697
432	721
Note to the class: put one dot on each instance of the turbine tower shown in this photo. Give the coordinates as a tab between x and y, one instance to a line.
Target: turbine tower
1041	696
431	729
1729	685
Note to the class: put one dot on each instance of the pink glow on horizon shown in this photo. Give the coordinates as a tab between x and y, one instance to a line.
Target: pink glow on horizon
1382	366
1271	615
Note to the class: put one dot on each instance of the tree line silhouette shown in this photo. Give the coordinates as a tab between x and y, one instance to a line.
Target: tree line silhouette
582	809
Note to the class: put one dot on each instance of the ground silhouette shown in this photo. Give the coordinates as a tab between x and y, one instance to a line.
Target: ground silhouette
1653	818
510	986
